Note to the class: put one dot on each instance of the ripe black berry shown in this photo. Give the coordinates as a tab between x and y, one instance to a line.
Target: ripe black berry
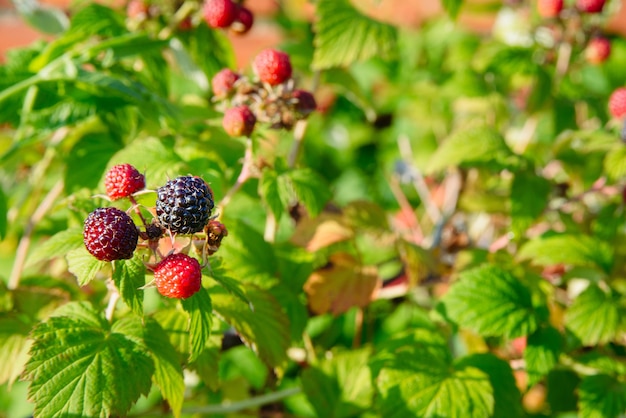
184	205
110	234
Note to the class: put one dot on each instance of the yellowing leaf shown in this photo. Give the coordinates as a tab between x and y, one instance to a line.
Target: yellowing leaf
321	232
343	284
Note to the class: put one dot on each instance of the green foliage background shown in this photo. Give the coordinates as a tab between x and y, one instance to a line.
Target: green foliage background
478	183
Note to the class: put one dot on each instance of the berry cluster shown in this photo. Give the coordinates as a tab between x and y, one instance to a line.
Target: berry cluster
228	14
186	14
267	97
565	23
183	206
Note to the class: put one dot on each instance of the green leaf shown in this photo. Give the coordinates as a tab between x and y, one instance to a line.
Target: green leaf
343	36
601	396
207	364
452	7
575	250
153	157
492	302
175	323
88	159
268	190
168	373
529	197
14	347
481	144
3	214
542	353
129	276
340	386
58	245
210	49
44	18
96	19
594	316
233	286
406	392
83	265
265	327
200	310
507	397
310	189
81	366
245	253
615	163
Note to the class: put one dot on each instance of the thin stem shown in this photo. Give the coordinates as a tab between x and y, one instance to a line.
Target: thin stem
418	180
249	403
358	328
300	129
270	227
115	296
24	244
310	348
244	175
407	210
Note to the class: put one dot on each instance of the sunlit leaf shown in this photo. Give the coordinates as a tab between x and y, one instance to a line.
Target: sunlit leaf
469	146
82	366
343	284
576	250
343	36
83	265
200	311
492	302
615	163
265	327
168	373
601	396
506	395
595	315
14	347
129	276
542	353
340	386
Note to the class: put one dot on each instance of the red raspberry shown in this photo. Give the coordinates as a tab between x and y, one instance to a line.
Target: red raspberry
304	102
590	6
223	82
220	13
123	180
549	8
243	22
272	66
617	103
598	50
178	276
239	121
110	234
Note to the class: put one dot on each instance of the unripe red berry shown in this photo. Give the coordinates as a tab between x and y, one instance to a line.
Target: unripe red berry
239	121
549	8
590	6
178	276
223	82
617	103
123	180
272	66
219	13
598	50
137	9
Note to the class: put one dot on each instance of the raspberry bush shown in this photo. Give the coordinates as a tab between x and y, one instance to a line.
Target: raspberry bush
365	219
